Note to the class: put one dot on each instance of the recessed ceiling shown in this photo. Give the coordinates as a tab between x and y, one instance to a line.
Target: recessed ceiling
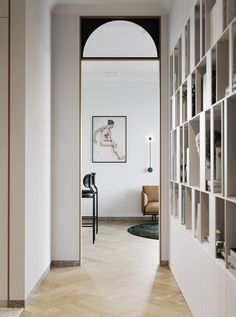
165	4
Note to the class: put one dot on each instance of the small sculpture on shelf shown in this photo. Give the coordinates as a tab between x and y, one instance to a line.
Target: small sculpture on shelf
217	158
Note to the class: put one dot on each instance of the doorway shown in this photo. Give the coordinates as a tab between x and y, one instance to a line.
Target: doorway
124	90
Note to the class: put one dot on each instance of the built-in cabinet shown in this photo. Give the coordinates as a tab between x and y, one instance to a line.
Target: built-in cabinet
4	8
203	156
3	152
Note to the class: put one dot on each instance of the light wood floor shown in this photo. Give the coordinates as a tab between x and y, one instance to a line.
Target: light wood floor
119	277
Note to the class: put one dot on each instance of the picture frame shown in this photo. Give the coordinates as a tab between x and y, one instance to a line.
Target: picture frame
109	139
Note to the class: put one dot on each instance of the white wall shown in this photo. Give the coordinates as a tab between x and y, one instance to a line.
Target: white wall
38	142
65	138
30	145
65	93
178	16
132	93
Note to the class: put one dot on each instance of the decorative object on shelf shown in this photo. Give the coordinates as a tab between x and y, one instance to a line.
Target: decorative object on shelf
193	100
218	163
186	165
217	160
183	211
198	222
176	212
197	140
150	169
217	142
109	139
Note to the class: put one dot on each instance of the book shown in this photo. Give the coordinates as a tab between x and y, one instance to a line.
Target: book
232	270
233	252
232	261
216	183
198	222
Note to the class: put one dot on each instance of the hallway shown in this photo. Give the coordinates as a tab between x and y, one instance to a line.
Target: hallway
118	278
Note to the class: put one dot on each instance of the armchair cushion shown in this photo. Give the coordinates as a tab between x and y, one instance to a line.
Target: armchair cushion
152	207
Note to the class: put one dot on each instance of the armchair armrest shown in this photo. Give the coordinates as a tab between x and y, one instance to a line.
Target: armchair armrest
144	201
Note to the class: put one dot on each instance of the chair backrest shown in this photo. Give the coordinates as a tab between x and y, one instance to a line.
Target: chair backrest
152	192
93	181
87	181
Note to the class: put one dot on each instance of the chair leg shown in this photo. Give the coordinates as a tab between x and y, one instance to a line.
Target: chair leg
97	212
94	206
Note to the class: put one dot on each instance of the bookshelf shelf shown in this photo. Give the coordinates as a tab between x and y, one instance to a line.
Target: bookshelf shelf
213	75
194	160
197	215
229	11
220	228
230	229
230	147
204	230
208	162
233	66
187	48
176	200
184	92
188	208
203	130
201	86
218	146
197	28
222	66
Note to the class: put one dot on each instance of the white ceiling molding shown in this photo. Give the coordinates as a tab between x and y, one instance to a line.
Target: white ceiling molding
164	4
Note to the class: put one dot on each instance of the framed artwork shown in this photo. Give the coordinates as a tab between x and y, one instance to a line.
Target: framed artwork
109	139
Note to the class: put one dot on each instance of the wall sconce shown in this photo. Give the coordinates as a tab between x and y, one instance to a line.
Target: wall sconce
150	169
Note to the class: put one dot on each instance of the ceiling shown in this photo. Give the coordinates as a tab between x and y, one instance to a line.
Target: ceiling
165	4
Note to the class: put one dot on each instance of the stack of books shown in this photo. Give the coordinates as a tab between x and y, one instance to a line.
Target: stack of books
232	261
234	86
216	184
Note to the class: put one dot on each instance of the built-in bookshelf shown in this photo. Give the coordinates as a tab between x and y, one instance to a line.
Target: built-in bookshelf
203	128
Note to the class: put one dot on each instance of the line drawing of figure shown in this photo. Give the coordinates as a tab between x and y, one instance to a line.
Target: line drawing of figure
106	138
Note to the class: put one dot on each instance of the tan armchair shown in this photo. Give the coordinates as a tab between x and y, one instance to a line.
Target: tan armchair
150	201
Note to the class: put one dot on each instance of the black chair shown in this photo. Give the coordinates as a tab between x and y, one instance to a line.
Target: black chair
90	193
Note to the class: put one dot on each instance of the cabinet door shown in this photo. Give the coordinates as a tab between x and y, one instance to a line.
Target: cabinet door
4	8
3	159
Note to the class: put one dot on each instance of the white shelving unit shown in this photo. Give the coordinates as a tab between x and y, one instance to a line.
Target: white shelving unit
203	156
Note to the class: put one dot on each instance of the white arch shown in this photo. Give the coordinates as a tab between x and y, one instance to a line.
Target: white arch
120	39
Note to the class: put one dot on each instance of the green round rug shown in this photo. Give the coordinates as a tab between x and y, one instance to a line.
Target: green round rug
145	230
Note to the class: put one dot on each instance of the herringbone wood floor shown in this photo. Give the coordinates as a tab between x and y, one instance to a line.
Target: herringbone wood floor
119	277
